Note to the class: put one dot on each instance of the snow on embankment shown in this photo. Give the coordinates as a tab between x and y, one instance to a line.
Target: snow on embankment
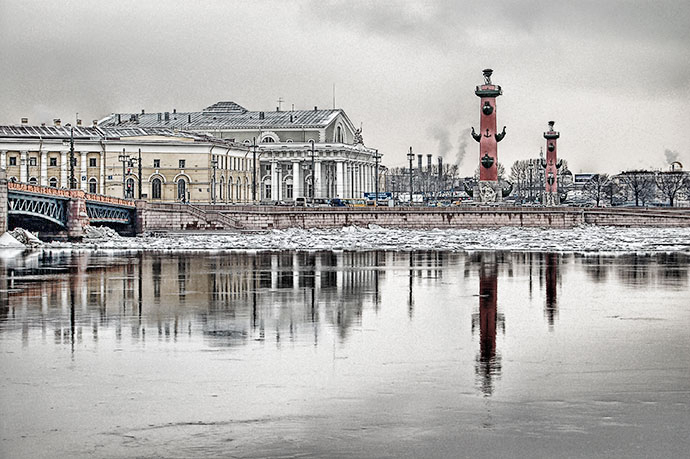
580	239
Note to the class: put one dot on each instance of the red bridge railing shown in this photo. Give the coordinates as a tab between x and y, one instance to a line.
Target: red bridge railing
62	192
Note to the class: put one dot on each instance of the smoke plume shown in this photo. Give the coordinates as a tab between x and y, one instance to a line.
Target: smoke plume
462	146
671	156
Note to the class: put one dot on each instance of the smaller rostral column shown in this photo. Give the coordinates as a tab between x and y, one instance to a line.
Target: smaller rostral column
551	165
488	138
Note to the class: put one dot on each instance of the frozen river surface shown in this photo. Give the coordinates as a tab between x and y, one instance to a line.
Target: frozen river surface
345	354
584	238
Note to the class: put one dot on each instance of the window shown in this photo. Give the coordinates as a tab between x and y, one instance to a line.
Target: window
33	181
157	163
53	182
93	185
339	135
182	163
13	160
288	191
181	189
156	188
32	161
53	161
268	192
268	140
93	162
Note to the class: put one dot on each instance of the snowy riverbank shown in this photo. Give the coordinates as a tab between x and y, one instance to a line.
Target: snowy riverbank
580	239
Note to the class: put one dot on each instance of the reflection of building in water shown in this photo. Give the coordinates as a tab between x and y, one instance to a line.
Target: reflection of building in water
488	362
551	278
229	298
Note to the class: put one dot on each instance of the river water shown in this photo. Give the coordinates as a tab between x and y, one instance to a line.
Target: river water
344	354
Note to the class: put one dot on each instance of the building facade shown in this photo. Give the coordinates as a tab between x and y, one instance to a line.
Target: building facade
140	163
307	153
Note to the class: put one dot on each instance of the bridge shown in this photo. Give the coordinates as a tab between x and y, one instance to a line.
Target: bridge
62	211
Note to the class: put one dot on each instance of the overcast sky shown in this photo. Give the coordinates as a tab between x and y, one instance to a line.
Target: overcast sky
614	75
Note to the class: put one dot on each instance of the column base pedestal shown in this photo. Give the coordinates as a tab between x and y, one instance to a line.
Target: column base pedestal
488	191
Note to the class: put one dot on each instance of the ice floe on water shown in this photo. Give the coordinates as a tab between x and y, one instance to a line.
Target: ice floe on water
580	239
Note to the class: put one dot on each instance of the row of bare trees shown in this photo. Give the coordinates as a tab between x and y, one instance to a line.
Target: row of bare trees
638	185
527	176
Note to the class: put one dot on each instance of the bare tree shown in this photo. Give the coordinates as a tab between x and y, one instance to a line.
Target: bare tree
639	183
597	187
671	183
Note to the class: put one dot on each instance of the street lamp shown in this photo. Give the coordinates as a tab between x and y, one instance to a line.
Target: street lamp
139	164
123	158
377	157
131	163
410	157
313	171
254	170
72	185
214	165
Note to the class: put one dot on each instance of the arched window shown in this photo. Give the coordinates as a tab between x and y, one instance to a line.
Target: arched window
156	188
181	190
13	179
246	142
230	189
129	188
268	140
53	182
339	135
222	188
33	181
93	185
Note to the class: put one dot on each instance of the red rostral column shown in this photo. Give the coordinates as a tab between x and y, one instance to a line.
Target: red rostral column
551	166
488	138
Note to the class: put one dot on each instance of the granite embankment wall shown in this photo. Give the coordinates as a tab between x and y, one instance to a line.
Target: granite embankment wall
179	217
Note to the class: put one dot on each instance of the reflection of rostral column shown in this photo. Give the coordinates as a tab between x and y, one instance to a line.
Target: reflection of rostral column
551	261
488	138
551	166
488	362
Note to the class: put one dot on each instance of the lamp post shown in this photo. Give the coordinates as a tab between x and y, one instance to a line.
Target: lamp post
72	185
313	171
139	164
410	157
377	157
254	170
214	165
131	163
123	158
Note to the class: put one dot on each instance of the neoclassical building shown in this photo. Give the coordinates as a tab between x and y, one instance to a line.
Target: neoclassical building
296	149
173	165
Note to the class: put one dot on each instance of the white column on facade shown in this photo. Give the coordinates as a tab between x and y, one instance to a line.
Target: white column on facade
339	180
280	174
82	171
63	169
274	180
24	161
317	179
44	168
348	179
3	159
296	179
101	182
353	179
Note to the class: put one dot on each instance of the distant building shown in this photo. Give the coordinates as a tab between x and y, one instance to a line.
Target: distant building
175	165
342	166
